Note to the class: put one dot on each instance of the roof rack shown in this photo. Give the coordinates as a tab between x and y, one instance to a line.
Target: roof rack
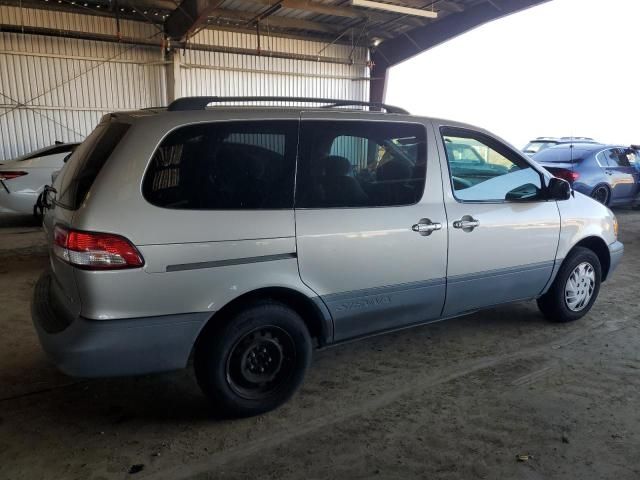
200	103
576	138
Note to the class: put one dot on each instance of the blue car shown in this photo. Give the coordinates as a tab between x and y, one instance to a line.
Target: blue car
542	143
607	173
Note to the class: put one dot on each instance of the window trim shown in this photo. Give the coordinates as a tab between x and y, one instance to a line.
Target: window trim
468	131
422	125
296	136
617	165
597	155
107	124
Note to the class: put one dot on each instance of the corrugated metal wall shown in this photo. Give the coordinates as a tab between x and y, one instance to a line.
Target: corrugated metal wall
64	86
213	73
57	89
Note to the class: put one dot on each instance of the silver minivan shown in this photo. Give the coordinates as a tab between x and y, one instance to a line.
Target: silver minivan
239	238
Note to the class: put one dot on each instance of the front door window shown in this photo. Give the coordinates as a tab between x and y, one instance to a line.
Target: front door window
482	170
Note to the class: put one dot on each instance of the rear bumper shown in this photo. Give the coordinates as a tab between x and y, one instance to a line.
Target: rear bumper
101	348
17	202
616	251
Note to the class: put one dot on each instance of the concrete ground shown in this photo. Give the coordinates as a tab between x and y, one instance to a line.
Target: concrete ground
455	400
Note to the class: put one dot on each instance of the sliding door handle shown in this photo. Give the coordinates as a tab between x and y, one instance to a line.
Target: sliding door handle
426	227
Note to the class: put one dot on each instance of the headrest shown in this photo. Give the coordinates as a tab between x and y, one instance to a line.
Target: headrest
394	170
336	166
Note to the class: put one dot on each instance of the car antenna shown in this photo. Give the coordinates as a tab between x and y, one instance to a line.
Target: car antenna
571	153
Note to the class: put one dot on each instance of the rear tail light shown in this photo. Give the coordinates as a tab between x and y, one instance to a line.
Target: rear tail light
568	175
7	175
95	251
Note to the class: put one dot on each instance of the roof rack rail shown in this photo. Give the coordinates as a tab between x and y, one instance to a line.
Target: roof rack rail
200	103
576	138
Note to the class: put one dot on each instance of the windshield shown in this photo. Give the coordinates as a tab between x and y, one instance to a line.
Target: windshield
535	147
561	155
460	152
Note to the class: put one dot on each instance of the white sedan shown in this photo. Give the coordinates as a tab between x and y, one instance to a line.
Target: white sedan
24	178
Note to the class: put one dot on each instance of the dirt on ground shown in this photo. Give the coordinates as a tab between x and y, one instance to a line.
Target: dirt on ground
460	399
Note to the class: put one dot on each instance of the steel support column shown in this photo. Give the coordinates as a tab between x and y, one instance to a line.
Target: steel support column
174	77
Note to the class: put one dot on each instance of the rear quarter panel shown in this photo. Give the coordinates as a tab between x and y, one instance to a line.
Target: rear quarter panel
169	237
591	175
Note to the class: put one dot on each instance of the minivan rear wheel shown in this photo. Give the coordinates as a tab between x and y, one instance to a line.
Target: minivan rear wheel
254	362
575	287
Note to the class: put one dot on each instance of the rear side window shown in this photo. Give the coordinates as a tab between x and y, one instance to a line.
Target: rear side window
619	157
86	162
360	164
224	166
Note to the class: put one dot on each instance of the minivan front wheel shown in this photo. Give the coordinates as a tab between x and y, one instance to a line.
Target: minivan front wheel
254	362
575	287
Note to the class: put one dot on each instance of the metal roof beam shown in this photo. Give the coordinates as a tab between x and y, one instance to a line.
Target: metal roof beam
324	9
157	42
188	16
274	21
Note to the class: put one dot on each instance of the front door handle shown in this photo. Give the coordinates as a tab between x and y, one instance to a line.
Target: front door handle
426	227
466	223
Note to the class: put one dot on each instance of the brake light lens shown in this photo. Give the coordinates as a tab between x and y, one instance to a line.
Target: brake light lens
95	251
568	175
10	175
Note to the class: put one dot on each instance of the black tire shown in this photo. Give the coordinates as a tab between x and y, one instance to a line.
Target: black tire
555	305
601	194
228	359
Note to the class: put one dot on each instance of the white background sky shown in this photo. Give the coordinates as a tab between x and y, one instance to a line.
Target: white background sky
567	67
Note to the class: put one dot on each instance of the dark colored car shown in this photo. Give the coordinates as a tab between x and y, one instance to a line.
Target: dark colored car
606	173
542	143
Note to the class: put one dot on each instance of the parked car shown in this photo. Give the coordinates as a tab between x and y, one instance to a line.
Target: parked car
23	179
541	143
636	157
606	173
243	237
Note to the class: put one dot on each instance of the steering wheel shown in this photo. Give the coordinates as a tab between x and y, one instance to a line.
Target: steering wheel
460	183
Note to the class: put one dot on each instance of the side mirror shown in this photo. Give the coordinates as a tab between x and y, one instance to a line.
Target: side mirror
558	189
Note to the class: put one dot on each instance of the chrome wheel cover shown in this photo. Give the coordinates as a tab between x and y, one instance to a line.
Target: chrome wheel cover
579	287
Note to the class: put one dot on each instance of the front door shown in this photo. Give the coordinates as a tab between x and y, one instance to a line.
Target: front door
503	236
369	243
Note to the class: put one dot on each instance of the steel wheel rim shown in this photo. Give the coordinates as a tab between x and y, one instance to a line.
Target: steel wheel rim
600	194
579	287
260	363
